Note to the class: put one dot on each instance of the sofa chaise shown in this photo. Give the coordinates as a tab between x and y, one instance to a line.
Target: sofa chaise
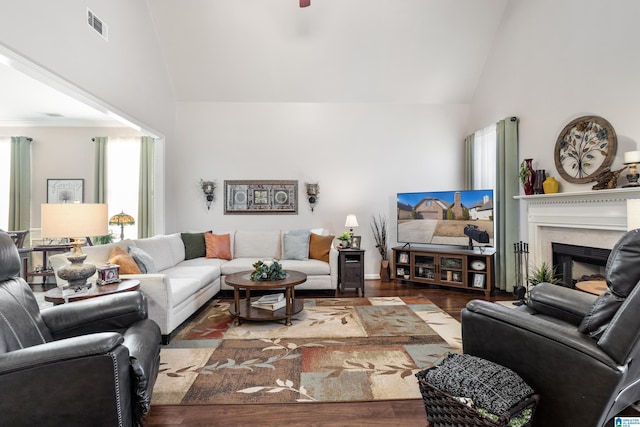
178	276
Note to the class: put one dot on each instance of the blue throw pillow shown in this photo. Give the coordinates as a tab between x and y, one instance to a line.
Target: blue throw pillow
296	246
143	260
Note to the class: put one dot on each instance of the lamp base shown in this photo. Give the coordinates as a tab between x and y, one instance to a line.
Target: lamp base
633	180
77	272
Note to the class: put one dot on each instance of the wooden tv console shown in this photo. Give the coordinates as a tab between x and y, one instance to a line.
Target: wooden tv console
454	268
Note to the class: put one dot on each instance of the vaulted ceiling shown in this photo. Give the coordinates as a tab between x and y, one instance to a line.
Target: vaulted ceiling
397	51
427	51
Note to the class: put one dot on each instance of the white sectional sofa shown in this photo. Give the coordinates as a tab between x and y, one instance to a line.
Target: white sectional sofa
181	286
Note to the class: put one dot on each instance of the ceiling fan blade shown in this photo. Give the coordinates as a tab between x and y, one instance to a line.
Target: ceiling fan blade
305	3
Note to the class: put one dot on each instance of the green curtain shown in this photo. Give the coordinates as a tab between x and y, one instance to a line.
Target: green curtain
20	184
100	169
507	208
468	158
146	200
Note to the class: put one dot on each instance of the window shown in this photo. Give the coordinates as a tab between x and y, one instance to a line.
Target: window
5	180
123	169
484	158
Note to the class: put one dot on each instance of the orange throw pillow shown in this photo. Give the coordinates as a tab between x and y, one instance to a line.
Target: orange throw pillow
124	260
218	246
319	247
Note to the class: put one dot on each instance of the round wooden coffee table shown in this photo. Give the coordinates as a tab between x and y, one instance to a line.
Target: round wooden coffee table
243	310
56	297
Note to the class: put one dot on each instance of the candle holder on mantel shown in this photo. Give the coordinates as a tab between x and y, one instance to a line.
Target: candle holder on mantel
632	159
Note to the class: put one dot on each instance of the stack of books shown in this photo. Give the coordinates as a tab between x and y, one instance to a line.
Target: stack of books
271	302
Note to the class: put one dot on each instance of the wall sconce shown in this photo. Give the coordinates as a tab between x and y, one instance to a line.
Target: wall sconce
312	194
208	188
632	159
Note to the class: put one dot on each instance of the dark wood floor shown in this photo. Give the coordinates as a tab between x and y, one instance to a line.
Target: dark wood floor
378	413
405	413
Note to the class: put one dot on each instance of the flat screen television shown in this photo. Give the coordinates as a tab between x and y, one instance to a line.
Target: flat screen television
455	218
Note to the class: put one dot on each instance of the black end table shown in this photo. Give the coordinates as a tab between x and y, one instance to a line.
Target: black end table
351	269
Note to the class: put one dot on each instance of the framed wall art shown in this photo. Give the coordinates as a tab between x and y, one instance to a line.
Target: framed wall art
65	190
261	197
585	149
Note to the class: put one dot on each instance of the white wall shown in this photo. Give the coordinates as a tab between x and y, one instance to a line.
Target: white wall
127	72
361	155
555	61
61	153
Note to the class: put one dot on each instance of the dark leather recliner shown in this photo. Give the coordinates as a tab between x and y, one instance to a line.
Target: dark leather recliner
87	363
576	350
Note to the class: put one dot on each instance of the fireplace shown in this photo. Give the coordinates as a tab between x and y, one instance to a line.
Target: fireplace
591	219
574	263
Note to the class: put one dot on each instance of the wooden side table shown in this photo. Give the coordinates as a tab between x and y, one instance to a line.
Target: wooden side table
351	269
56	297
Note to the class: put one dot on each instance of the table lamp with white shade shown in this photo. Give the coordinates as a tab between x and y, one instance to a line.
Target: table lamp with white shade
75	221
351	222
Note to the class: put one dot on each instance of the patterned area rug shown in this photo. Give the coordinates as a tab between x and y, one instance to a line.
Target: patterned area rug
337	350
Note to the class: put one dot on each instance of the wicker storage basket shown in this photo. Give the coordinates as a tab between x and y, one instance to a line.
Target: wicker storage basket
445	411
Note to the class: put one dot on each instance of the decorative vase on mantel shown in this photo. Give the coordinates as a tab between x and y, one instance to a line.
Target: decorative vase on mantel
538	181
550	185
531	176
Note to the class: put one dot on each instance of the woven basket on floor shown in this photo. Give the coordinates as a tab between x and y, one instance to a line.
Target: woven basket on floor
445	411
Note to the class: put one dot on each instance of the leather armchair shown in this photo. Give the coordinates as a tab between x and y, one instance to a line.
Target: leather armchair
576	350
92	362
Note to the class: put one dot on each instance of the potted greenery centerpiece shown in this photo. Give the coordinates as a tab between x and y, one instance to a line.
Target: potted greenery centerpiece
379	229
345	239
268	270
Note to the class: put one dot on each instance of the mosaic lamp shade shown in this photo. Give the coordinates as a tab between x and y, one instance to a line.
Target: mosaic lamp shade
121	219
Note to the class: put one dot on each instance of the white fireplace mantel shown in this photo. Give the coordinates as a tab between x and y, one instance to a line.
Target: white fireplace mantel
591	218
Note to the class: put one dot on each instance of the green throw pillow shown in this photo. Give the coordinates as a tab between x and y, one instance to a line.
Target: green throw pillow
194	246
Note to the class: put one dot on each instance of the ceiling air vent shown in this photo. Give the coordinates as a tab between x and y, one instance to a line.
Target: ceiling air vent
97	24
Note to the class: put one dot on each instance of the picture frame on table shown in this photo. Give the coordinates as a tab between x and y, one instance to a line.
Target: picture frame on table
355	242
478	280
403	258
65	190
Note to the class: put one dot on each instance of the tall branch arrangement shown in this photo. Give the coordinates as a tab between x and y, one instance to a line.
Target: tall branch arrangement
379	229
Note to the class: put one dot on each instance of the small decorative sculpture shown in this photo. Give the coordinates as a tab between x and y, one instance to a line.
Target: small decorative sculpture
607	179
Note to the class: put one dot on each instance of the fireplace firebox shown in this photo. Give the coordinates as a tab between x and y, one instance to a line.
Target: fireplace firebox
574	263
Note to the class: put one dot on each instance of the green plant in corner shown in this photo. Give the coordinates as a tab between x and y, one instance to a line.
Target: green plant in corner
544	273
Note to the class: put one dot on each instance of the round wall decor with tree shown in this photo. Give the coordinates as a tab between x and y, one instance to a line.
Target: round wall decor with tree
585	149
